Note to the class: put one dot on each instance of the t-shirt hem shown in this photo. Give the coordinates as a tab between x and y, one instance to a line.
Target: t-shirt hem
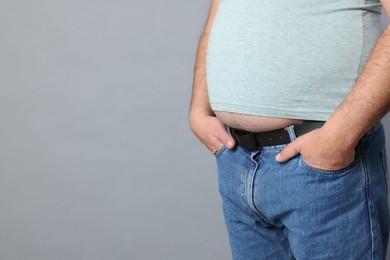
270	112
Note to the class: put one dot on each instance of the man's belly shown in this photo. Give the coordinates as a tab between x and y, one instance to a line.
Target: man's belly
279	58
253	123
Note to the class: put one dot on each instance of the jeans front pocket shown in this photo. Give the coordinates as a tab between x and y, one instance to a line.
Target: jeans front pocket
315	170
220	151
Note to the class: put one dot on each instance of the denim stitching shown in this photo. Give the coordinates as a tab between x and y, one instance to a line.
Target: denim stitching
242	182
238	206
330	172
250	192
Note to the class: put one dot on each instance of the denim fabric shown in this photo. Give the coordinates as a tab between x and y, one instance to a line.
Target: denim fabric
294	211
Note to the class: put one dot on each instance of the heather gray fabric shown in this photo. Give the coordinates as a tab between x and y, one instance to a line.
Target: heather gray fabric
97	159
289	58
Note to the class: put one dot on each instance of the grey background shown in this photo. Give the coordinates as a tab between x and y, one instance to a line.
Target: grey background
97	160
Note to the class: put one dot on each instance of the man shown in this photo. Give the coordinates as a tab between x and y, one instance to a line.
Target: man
291	110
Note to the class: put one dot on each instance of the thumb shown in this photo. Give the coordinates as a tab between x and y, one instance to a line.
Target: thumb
290	151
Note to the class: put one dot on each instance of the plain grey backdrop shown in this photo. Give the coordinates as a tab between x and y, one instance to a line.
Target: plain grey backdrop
97	160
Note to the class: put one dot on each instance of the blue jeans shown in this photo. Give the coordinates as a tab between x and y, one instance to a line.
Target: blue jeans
294	211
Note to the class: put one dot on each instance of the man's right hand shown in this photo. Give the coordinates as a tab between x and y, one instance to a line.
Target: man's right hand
211	132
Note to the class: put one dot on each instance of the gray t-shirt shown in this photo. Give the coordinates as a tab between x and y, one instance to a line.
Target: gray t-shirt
290	59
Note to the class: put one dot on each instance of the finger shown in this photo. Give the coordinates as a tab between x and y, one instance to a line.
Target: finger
290	151
225	138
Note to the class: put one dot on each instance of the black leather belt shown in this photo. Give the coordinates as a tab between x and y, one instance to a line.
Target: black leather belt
254	140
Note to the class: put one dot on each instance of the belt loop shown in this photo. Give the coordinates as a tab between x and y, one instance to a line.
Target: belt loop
291	132
228	130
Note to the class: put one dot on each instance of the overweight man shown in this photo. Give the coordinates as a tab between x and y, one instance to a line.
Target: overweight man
289	96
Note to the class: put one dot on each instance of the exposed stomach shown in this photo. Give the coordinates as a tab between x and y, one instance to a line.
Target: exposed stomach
254	123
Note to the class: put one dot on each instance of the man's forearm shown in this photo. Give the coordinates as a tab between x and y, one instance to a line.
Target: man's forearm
200	100
369	99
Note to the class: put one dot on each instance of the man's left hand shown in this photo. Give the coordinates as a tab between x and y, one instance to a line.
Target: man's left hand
320	150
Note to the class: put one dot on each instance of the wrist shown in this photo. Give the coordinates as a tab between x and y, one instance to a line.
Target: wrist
199	113
198	116
342	135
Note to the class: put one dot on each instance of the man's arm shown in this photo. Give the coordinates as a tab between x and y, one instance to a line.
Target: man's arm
332	146
210	130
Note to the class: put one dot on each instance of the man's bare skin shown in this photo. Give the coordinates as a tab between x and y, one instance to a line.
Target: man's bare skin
253	123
